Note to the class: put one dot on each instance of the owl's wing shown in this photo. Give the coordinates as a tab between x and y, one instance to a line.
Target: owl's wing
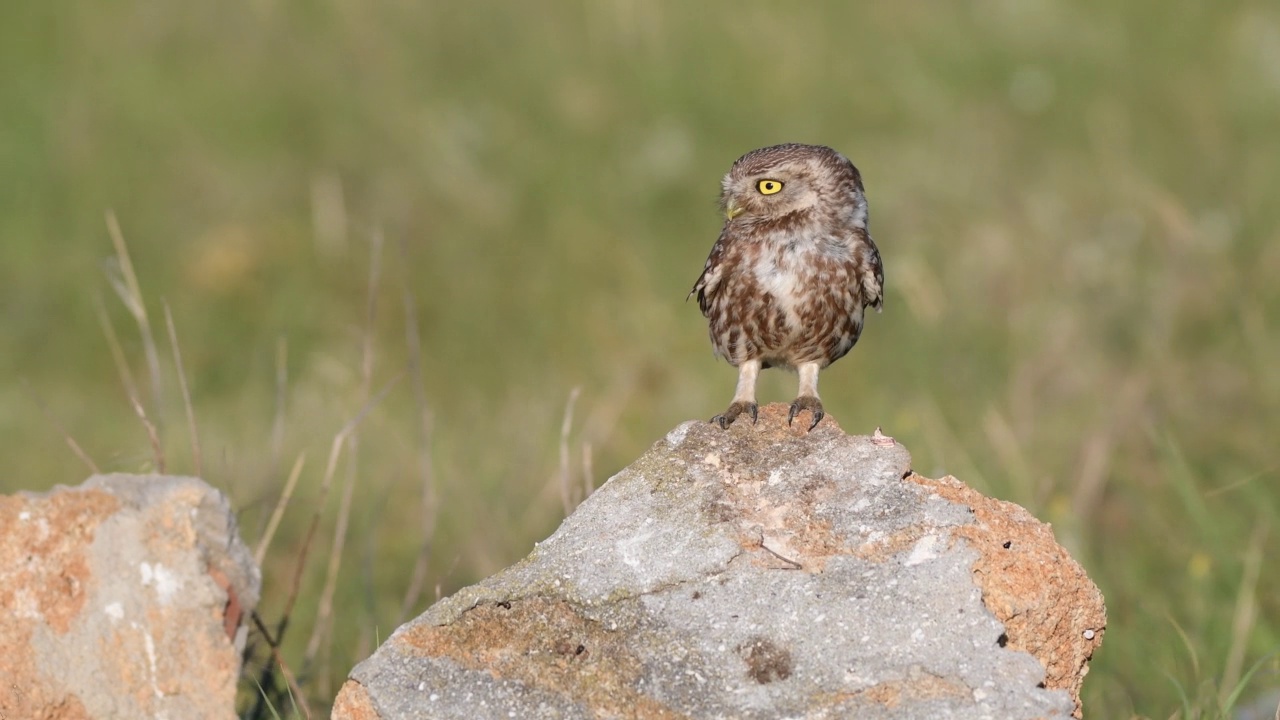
709	281
871	274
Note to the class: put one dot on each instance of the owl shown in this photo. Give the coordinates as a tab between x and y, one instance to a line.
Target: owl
794	269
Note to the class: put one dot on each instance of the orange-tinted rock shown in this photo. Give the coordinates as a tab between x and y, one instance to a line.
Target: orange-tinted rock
115	599
1048	605
353	703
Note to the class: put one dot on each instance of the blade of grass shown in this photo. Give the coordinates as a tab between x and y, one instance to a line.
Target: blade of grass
263	694
186	394
1229	703
1251	477
1184	483
1182	695
1246	611
1186	642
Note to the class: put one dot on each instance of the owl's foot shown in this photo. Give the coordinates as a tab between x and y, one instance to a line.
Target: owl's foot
810	403
726	418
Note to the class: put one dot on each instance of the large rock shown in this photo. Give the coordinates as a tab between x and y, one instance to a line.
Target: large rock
759	572
122	598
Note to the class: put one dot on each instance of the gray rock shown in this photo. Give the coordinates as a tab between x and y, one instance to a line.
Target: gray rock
122	598
756	573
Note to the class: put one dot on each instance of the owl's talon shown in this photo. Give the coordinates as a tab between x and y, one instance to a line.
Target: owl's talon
810	403
726	418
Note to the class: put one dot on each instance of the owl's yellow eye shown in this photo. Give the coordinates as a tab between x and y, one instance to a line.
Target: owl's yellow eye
769	187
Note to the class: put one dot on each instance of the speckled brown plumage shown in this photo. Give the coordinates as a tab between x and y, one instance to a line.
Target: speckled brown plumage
794	268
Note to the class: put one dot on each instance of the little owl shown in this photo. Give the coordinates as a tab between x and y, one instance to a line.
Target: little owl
794	268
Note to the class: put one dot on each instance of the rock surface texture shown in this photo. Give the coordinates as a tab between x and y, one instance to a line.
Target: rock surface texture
122	598
758	572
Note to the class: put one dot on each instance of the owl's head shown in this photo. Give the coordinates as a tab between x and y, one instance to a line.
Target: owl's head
793	181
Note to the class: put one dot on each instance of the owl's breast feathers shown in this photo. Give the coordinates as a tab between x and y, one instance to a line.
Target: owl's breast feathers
785	298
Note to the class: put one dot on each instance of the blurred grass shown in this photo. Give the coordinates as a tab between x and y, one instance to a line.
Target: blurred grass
1075	202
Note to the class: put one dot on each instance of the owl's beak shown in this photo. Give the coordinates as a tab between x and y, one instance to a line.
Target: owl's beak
731	210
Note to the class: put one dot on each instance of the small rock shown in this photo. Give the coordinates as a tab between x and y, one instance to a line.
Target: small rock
122	598
799	575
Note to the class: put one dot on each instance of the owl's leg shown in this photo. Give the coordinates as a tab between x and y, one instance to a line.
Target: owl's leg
744	400
808	399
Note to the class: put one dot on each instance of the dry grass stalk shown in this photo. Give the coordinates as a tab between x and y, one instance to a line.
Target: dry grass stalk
324	610
186	394
567	494
371	312
588	471
1246	612
261	552
320	629
429	512
130	293
153	435
130	387
277	422
295	690
66	436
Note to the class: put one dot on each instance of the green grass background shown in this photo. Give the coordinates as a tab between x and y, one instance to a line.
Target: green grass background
1076	204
